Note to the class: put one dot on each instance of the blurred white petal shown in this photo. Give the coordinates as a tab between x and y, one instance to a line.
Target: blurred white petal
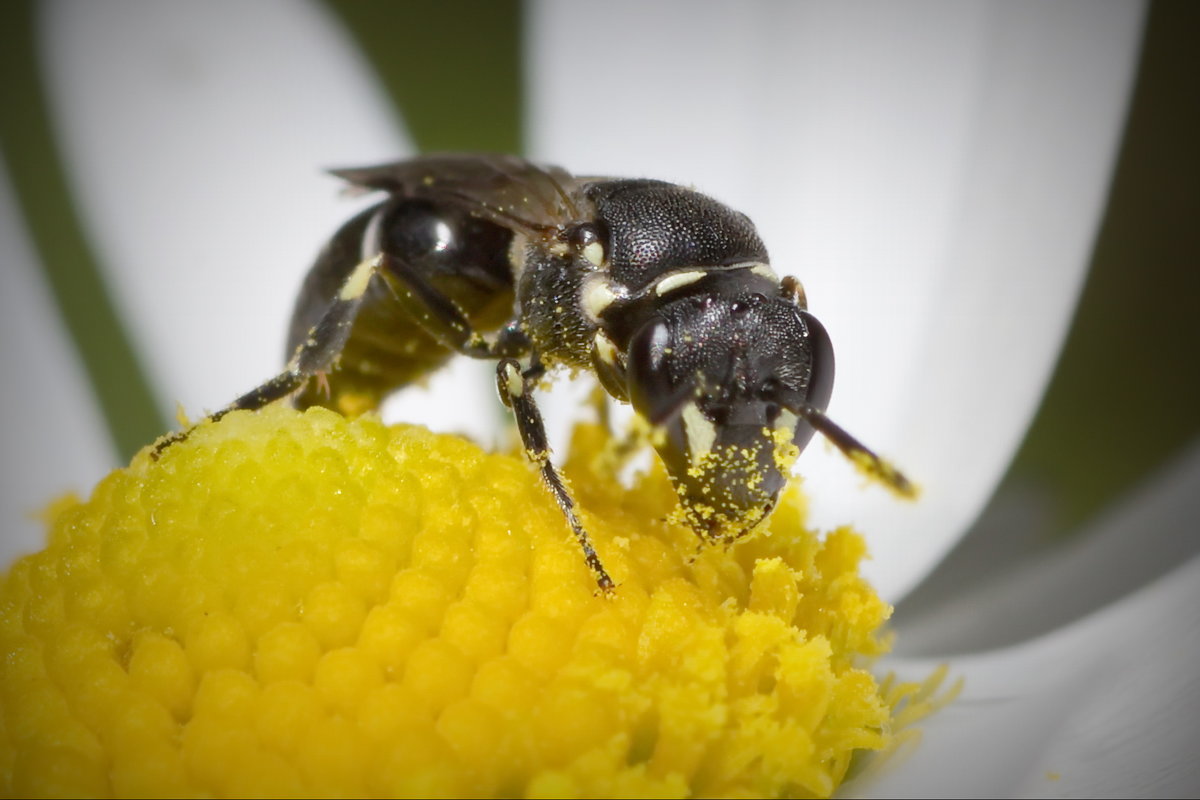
194	137
51	430
1106	707
933	172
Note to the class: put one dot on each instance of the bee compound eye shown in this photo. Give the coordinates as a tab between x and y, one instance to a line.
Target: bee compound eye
820	381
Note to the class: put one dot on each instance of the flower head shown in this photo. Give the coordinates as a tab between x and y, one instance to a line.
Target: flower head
295	603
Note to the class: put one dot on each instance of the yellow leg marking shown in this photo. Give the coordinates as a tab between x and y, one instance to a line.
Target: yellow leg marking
516	384
354	287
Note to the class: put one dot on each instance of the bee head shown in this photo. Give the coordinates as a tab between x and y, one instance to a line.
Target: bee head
729	383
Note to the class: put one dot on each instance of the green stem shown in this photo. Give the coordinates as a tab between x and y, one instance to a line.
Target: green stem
84	302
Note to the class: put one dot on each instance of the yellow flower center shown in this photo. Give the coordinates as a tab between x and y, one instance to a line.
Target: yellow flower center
297	604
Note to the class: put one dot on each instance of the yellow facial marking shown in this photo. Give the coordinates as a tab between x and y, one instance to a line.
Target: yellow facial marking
699	431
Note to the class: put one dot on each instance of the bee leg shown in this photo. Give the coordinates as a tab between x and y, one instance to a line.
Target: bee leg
516	389
314	356
442	319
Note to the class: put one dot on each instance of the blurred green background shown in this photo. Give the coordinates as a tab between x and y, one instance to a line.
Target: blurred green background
1123	400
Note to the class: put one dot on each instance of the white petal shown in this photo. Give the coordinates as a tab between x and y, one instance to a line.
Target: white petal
1147	534
933	172
1106	707
196	135
51	431
1103	703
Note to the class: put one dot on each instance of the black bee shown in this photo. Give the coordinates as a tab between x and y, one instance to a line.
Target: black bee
665	294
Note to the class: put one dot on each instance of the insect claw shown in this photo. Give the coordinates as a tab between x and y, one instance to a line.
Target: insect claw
323	384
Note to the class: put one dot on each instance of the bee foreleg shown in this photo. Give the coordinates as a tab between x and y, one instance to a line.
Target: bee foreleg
314	356
516	390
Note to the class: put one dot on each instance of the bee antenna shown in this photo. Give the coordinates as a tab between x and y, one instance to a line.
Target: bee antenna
859	454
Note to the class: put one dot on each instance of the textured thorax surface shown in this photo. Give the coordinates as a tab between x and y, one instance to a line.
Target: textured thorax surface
656	228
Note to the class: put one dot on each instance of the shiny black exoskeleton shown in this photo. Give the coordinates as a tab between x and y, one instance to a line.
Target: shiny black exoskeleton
665	294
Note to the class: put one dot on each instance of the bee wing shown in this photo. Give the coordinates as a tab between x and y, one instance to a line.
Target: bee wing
507	190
